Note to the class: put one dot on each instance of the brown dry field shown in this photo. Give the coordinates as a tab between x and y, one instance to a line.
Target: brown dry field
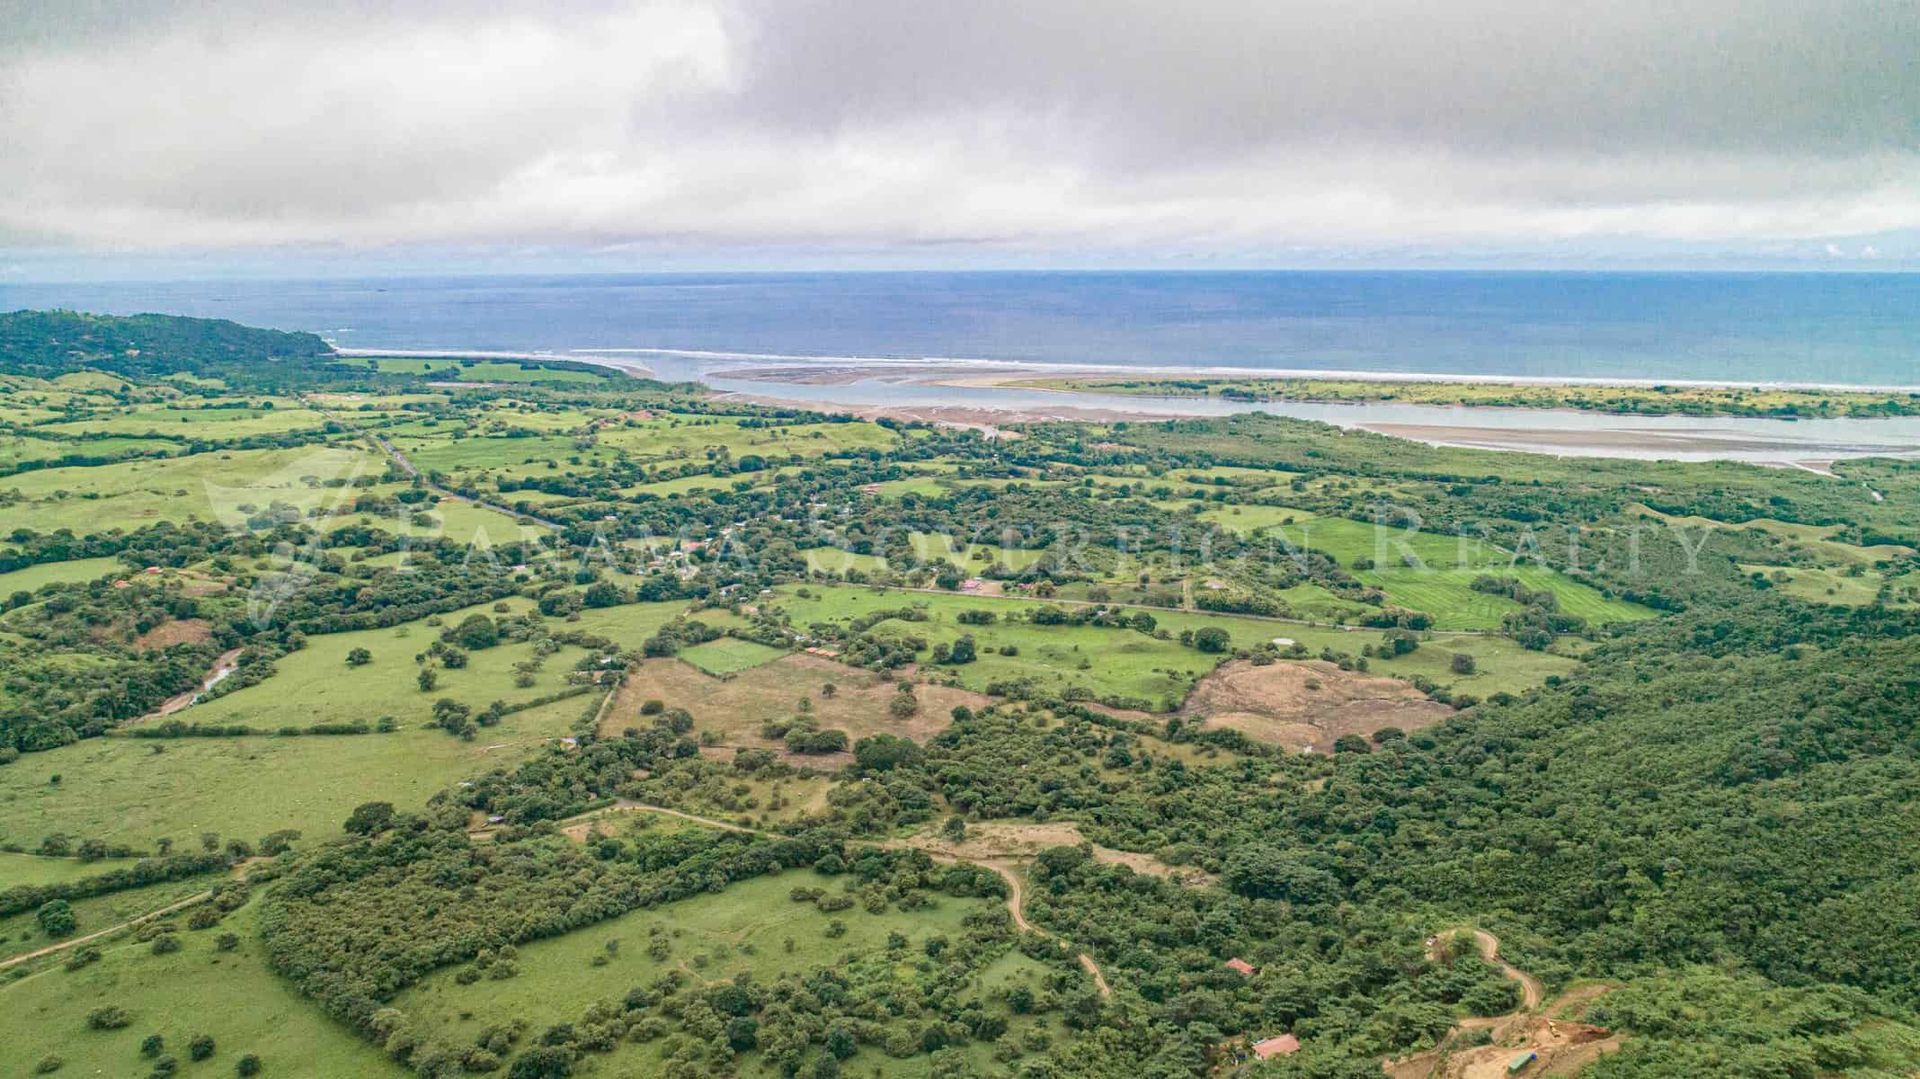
1275	704
734	708
178	631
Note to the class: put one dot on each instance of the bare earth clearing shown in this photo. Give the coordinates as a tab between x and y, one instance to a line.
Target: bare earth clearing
1307	705
735	707
1562	1047
999	840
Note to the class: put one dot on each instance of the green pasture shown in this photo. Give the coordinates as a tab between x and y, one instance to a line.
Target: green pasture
744	929
315	684
463	370
689	436
21	933
457	520
138	790
1128	663
17	869
18	449
224	485
33	578
730	655
835	560
230	996
1815	539
192	421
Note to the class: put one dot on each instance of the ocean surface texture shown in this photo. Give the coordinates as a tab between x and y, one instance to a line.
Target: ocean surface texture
1859	329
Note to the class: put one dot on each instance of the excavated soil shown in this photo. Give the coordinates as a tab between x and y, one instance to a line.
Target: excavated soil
1307	705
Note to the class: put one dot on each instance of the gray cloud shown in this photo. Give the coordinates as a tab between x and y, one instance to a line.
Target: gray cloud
1110	125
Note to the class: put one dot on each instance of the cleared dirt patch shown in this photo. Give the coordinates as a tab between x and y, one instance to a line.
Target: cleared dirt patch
734	708
178	631
1307	705
991	841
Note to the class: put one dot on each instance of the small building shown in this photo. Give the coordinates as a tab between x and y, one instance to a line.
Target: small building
151	570
1520	1063
1241	967
1283	1046
123	583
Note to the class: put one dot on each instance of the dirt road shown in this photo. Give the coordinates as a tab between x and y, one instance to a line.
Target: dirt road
109	931
1531	991
222	667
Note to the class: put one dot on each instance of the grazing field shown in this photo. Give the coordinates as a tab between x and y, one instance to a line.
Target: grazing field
681	436
316	685
1815	540
79	569
730	655
459	370
434	452
218	486
37	869
712	939
137	790
230	996
21	933
835	560
704	482
972	556
452	518
1818	585
1126	663
17	450
197	421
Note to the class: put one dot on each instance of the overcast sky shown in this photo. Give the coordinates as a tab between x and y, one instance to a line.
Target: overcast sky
609	134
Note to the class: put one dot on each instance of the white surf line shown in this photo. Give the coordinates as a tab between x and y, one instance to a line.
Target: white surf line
1215	371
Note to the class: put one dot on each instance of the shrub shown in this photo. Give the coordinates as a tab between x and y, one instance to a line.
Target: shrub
108	1017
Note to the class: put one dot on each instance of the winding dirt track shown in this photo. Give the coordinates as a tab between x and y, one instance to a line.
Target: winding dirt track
1531	991
109	931
1016	892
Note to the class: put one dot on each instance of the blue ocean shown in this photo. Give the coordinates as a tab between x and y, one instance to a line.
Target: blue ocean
1861	329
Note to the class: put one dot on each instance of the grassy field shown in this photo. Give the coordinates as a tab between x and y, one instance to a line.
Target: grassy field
730	655
135	791
19	449
456	370
1127	663
1815	539
315	685
21	932
462	522
230	996
207	486
971	556
688	436
835	560
79	569
1426	571
712	937
194	421
34	869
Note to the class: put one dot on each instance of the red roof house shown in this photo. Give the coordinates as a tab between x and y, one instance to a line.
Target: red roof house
1241	967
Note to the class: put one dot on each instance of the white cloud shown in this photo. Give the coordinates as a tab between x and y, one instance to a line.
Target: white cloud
993	126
